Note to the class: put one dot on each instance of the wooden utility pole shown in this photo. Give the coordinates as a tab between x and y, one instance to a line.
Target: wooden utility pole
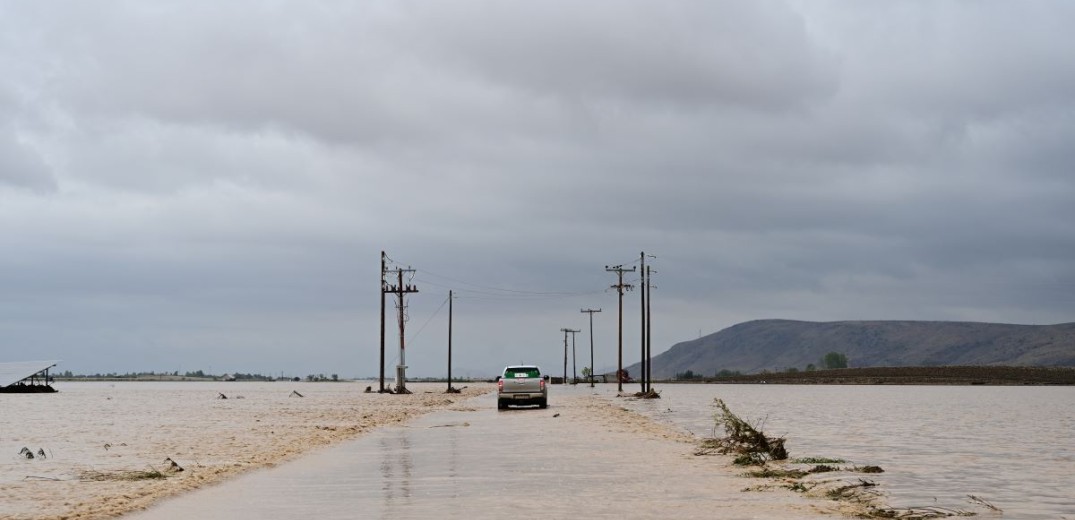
620	286
574	360
449	341
384	289
590	312
565	331
649	330
642	318
399	290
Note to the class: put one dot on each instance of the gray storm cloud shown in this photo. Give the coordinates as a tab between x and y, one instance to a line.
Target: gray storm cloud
192	184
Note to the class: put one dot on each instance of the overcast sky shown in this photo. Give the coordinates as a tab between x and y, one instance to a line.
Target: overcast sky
209	185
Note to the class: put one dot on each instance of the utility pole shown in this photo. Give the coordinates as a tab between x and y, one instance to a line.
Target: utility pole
649	330
620	286
574	360
399	290
450	341
590	312
642	318
384	289
565	331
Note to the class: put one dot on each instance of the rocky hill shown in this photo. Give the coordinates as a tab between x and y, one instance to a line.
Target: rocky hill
776	345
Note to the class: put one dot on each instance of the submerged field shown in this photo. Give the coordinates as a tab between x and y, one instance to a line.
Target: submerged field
102	449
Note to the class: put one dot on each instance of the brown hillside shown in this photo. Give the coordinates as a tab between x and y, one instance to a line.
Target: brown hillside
776	345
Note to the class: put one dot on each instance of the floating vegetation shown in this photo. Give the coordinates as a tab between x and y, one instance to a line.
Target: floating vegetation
651	394
976	500
852	491
120	475
751	445
768	472
817	460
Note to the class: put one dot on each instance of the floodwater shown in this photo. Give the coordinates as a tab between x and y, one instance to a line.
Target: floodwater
579	457
1011	446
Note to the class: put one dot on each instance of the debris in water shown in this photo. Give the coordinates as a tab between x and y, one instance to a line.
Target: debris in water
751	445
128	475
172	465
982	502
25	452
221	396
369	389
295	393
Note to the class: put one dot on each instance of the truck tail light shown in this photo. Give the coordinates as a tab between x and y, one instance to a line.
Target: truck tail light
542	384
500	385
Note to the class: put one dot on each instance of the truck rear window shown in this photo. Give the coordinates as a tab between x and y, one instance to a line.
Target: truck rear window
521	372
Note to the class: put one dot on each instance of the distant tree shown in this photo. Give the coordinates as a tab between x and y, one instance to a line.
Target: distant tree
791	370
811	367
586	372
834	360
335	377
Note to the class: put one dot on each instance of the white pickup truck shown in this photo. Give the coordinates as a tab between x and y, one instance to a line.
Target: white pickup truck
522	385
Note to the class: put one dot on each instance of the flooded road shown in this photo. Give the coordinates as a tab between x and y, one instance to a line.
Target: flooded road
584	455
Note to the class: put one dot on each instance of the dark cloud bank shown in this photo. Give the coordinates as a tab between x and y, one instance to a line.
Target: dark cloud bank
194	185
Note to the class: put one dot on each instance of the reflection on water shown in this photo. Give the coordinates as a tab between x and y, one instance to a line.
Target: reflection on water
1011	446
483	463
397	464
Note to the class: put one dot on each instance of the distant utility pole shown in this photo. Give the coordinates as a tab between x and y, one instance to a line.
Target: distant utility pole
449	341
590	312
620	286
565	331
642	319
649	330
384	289
399	290
574	360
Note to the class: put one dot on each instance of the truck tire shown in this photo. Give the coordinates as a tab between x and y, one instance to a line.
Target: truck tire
501	404
544	403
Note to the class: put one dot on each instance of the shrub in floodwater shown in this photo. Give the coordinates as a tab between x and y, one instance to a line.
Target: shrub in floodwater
751	445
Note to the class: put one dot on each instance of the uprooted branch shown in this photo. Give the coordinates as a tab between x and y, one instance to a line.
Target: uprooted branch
751	445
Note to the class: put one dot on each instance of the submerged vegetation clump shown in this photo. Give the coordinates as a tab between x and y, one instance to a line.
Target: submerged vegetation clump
121	475
750	445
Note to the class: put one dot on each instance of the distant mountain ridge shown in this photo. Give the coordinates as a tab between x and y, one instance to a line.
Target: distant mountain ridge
776	345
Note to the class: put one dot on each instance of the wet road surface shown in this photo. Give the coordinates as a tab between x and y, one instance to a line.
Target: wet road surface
579	457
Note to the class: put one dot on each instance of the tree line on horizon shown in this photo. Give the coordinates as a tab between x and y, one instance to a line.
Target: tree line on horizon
830	361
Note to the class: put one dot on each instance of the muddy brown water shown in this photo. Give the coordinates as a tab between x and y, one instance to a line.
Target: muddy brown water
1011	446
582	456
